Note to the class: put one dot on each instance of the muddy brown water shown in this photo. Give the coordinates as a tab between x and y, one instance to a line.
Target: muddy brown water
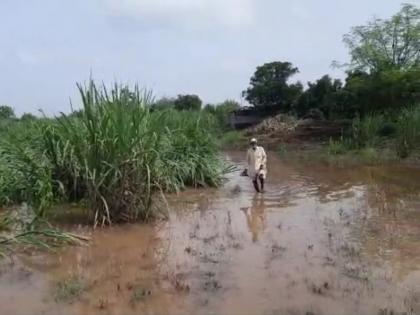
320	240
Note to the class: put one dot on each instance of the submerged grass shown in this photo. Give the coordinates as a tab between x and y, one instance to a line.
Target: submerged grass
21	227
70	289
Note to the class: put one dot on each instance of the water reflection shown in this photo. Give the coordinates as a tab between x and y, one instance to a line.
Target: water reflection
255	216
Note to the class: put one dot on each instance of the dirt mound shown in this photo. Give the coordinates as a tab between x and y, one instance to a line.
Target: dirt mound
281	123
285	128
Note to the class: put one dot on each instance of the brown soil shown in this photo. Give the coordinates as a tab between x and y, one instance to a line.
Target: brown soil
284	129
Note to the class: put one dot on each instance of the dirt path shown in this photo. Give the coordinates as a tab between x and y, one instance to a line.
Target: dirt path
321	240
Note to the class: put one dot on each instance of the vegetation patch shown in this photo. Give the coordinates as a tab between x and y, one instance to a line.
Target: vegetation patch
70	289
20	228
115	153
233	140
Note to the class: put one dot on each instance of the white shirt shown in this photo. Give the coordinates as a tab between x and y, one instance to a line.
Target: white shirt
256	158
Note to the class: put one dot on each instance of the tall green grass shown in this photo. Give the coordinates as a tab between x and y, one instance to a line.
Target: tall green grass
114	153
366	130
118	155
399	131
402	128
25	172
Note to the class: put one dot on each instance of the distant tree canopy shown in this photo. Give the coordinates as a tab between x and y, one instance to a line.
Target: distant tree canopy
163	103
384	73
187	102
269	86
322	95
387	90
27	117
222	111
382	76
386	44
228	106
6	112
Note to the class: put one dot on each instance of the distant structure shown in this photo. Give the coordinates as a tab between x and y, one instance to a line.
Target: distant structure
249	116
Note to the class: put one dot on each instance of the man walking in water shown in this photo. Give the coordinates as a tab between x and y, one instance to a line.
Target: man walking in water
256	159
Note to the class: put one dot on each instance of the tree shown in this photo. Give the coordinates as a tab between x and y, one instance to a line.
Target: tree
6	112
222	111
163	104
384	44
269	86
321	95
210	108
187	102
228	106
387	90
27	117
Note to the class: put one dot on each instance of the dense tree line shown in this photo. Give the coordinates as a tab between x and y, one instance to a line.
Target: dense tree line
383	74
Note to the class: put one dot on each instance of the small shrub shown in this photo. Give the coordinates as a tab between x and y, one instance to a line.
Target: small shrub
365	131
139	294
336	147
369	156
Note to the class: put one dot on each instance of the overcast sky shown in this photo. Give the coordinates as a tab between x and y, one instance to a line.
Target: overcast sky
205	47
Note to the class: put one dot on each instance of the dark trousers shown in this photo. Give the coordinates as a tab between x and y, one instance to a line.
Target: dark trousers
259	187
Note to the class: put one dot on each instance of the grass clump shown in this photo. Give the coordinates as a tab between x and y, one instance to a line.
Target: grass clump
139	294
22	227
118	155
70	289
336	147
366	131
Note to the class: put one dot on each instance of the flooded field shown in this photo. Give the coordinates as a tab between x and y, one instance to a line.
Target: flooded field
320	240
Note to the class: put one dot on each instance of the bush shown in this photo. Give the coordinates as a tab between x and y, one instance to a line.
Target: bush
369	155
388	129
408	134
336	147
187	102
366	131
